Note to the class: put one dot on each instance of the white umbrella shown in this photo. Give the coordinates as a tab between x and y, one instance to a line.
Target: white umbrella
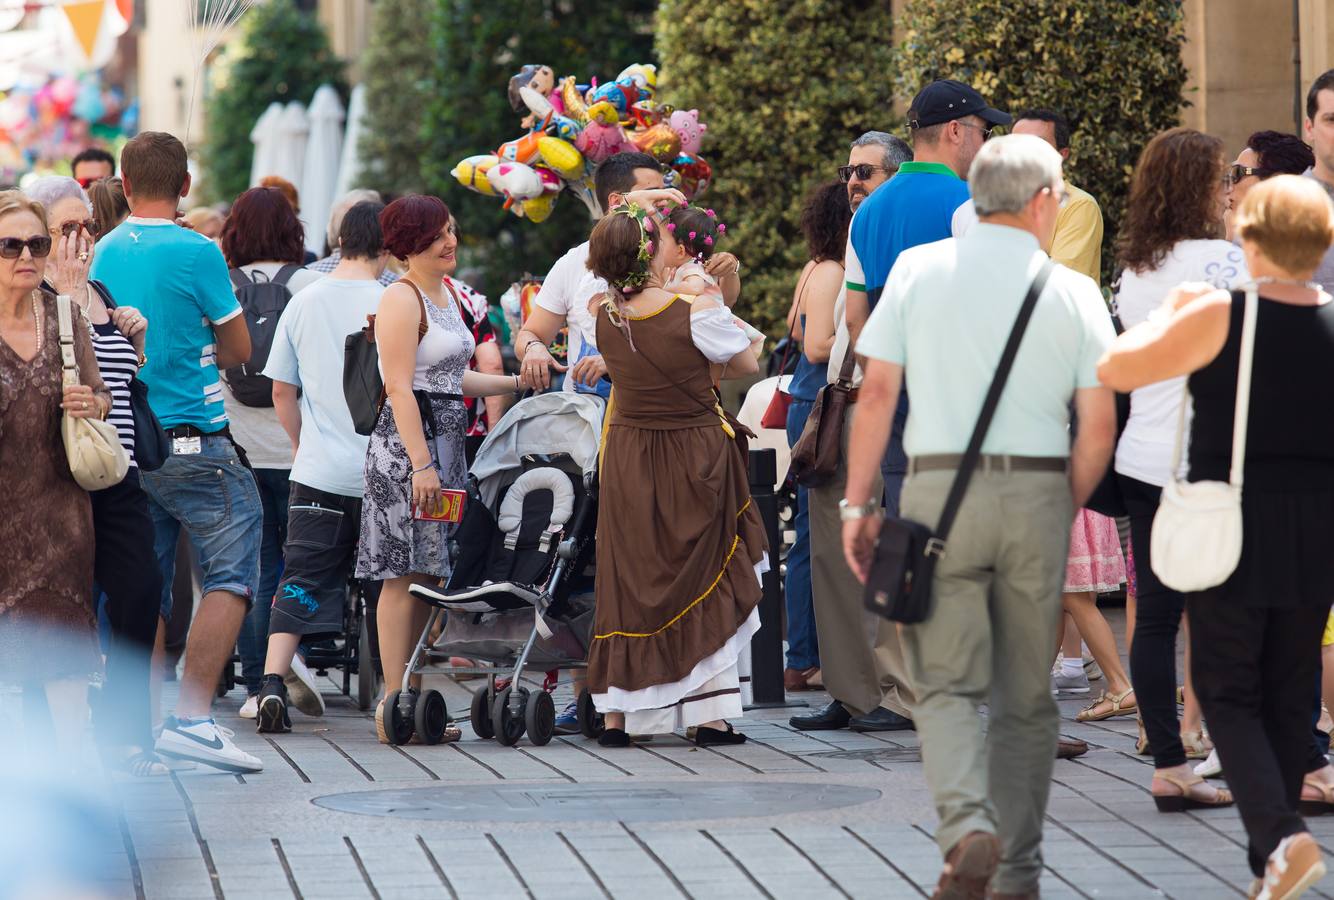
349	167
289	157
265	137
323	151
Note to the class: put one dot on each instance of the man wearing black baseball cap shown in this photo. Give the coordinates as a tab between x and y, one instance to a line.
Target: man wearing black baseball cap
949	122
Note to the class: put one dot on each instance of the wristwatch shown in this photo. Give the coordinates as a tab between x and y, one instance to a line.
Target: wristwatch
849	513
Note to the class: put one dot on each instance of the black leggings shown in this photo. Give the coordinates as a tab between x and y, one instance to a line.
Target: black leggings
125	568
1253	671
1153	652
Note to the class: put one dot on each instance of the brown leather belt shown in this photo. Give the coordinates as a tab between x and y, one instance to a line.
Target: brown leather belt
989	462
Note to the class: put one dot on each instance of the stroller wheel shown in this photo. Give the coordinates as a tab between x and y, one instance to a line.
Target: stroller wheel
590	720
539	715
480	715
393	724
430	717
508	724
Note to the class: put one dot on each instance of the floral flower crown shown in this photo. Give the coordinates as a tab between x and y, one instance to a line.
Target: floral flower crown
637	277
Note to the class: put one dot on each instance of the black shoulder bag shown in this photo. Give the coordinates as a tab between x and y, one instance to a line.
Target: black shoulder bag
899	585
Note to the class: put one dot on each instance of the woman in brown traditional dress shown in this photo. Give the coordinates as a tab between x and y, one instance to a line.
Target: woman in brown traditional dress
48	638
680	544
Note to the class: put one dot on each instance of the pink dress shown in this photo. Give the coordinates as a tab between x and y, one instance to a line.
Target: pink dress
1095	562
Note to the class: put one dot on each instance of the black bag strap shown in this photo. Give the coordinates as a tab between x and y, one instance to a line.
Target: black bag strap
240	279
974	451
285	274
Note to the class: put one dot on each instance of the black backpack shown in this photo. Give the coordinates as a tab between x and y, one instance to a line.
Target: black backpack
262	303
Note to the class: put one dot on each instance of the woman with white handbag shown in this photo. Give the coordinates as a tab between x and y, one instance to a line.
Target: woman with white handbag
1254	562
52	451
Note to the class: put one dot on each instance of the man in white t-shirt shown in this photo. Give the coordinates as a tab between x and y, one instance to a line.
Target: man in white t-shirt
324	512
569	286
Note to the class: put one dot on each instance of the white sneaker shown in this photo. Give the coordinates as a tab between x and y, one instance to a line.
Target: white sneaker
205	742
302	691
250	709
1211	767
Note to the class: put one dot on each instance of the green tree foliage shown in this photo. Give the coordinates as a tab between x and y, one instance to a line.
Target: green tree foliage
477	45
399	65
283	55
1114	69
785	88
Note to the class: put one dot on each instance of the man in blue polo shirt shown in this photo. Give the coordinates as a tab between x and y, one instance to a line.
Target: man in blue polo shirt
949	122
179	280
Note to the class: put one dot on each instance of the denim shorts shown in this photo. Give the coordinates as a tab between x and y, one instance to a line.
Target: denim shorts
214	498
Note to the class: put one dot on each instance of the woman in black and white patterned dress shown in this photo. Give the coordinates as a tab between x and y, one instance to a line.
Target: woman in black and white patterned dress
416	449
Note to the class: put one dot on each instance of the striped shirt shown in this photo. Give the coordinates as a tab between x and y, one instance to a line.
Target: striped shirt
118	362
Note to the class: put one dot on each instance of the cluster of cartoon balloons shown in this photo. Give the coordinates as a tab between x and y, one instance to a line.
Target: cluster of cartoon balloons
572	127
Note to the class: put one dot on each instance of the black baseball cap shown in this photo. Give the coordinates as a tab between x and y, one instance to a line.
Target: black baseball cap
945	100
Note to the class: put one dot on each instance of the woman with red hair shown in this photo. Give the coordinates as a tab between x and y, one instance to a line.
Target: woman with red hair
263	241
416	449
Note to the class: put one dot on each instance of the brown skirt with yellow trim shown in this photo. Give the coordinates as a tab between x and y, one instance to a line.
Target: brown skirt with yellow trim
678	541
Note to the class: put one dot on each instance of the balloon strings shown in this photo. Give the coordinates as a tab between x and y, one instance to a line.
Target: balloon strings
209	21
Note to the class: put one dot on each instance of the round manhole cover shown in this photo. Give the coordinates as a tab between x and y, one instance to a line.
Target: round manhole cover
876	755
639	802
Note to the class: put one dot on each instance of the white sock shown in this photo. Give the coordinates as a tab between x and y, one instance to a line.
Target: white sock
1072	667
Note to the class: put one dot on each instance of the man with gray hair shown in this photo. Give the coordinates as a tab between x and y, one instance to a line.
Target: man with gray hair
861	665
346	202
945	315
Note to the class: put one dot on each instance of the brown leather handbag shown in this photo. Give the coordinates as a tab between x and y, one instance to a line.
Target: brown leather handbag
816	454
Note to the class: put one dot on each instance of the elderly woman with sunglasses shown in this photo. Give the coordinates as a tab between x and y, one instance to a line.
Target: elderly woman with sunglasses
124	566
47	637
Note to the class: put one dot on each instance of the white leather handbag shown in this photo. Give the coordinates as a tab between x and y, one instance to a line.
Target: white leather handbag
1197	531
97	459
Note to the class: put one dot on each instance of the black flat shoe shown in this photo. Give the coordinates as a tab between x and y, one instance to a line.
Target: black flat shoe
880	719
614	737
831	718
705	737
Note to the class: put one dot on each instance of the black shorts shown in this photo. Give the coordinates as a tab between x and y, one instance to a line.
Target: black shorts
321	550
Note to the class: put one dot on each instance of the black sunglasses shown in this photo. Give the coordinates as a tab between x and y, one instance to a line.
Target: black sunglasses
863	172
12	248
1236	172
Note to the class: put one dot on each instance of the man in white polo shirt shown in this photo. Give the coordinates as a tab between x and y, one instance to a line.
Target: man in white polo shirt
945	315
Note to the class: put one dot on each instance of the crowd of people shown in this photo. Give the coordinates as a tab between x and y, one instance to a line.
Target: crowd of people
214	345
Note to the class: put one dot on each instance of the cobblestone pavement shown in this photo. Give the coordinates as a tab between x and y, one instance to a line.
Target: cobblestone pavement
575	820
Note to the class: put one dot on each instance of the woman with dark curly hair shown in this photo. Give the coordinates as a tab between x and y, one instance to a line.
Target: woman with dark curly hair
263	241
824	223
1172	233
416	449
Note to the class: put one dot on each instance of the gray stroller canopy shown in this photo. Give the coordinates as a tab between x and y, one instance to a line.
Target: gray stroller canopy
551	423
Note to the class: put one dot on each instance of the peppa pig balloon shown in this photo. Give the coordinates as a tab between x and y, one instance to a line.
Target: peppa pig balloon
686	123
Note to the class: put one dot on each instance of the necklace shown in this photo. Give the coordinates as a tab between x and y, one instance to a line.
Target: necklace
1309	285
37	322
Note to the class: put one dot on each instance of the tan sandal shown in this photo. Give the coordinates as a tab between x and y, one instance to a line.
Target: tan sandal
1186	799
1092	713
1196	744
1142	742
1308	806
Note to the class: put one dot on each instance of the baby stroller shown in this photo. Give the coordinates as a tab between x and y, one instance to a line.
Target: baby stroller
514	599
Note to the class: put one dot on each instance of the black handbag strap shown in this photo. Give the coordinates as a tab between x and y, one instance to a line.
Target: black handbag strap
970	456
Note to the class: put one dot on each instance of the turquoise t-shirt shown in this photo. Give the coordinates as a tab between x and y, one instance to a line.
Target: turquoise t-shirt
178	280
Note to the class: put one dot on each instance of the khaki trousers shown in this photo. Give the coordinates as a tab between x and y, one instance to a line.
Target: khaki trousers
996	600
861	662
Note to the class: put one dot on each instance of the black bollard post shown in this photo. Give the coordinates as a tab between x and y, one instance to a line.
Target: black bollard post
766	647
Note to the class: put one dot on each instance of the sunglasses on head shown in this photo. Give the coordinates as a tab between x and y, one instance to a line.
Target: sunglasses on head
12	248
88	225
863	172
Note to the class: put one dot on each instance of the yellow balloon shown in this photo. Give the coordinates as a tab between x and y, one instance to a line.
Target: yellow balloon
471	173
604	113
561	157
575	108
538	209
